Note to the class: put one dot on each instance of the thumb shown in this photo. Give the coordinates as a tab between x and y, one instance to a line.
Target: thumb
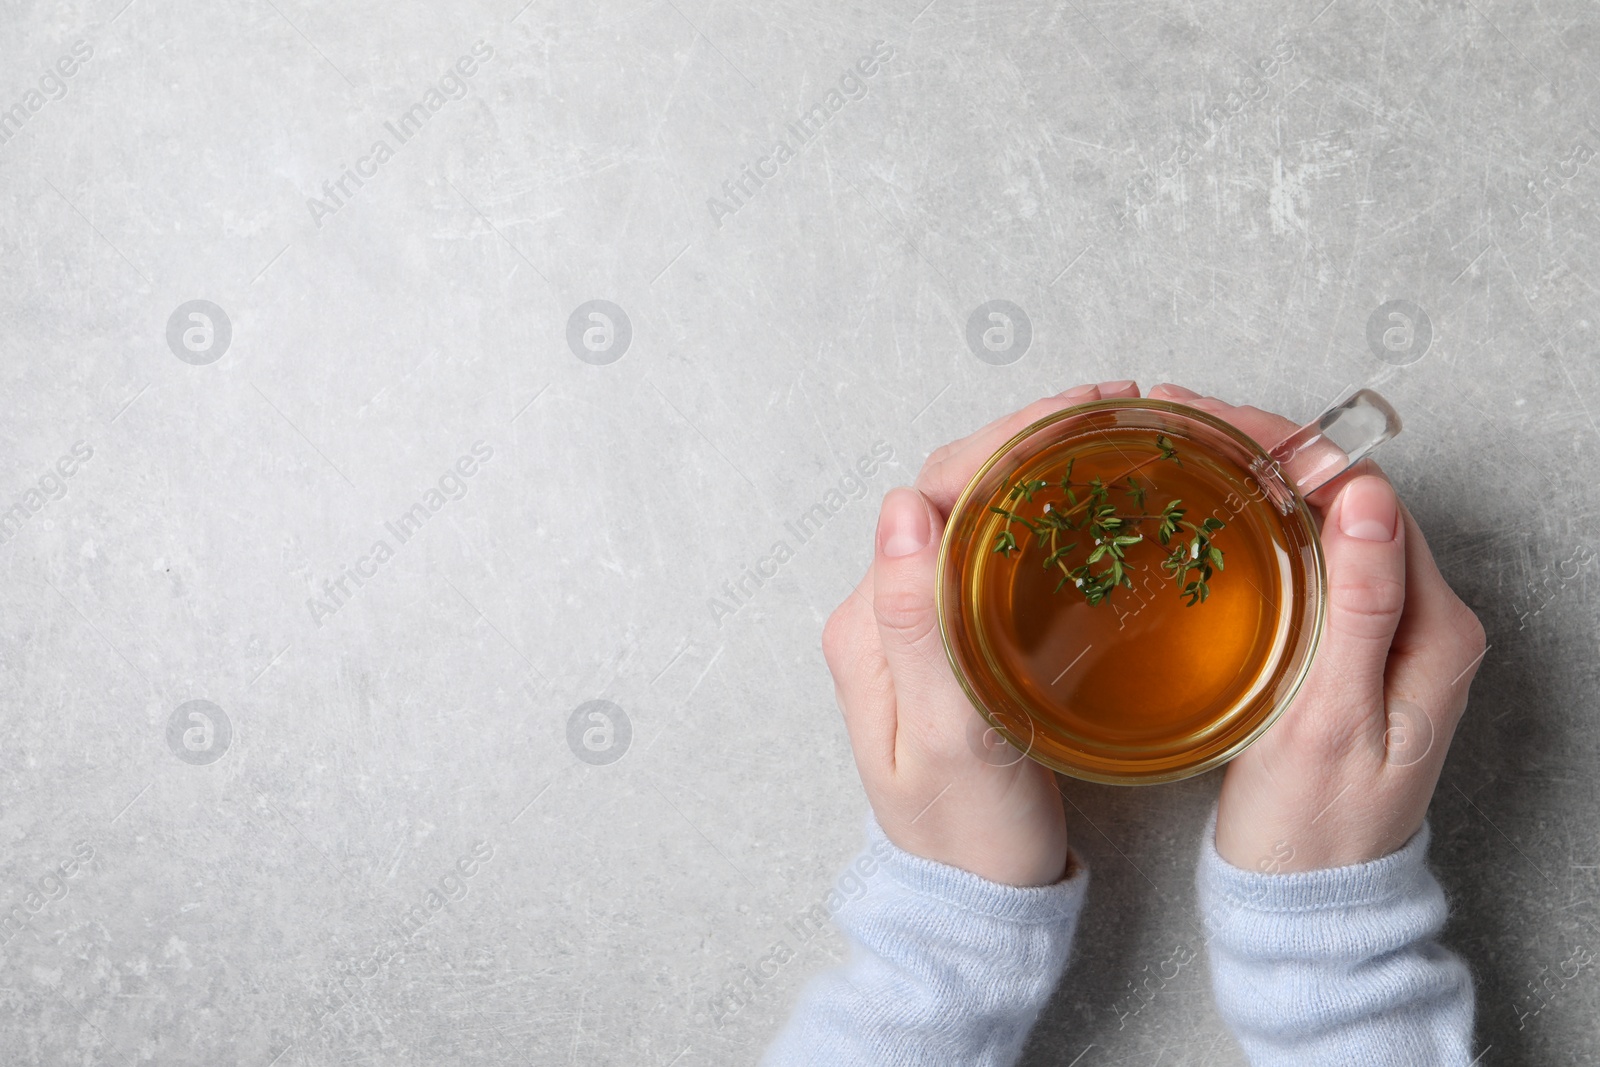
1363	541
909	528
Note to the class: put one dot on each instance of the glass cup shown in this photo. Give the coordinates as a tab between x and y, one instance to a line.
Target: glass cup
1154	695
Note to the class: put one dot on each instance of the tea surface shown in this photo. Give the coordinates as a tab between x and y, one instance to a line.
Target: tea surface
1141	672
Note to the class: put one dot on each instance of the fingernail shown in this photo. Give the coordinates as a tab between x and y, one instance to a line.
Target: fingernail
1176	390
903	525
1078	391
1115	387
1368	510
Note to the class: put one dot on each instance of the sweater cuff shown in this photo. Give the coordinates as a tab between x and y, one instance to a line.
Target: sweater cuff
1354	885
1349	912
1336	966
974	893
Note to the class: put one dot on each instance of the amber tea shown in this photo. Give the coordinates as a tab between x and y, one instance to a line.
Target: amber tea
1132	601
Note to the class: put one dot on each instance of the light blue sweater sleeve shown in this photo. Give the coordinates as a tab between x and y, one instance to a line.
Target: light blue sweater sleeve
1316	968
1336	966
944	968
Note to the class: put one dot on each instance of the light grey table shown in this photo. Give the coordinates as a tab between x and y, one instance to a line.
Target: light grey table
397	499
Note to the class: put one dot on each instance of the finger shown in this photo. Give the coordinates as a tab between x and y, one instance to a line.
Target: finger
1080	394
1124	388
1324	495
1269	430
1364	545
1435	604
1265	428
862	684
950	467
1439	642
908	626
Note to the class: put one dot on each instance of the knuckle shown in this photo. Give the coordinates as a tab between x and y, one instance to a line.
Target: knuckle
1366	606
1045	405
935	463
1262	413
906	612
1469	629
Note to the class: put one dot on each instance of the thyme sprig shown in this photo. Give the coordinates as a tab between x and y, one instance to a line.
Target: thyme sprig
1111	533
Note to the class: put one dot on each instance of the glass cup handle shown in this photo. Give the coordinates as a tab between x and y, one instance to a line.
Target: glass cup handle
1336	440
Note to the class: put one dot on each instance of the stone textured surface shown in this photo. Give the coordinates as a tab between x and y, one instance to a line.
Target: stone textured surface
1219	194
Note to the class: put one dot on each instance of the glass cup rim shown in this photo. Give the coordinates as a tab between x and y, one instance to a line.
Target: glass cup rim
1318	573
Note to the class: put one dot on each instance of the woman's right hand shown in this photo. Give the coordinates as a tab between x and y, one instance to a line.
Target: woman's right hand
1346	773
942	785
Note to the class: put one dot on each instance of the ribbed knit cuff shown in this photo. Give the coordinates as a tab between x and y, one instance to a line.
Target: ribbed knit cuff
1360	883
945	967
971	892
1345	912
1338	966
